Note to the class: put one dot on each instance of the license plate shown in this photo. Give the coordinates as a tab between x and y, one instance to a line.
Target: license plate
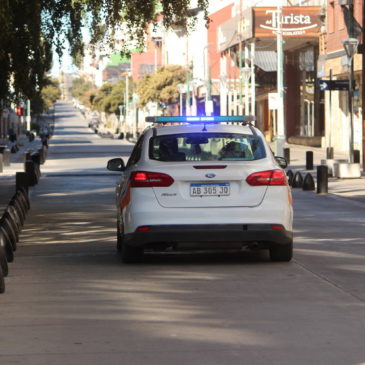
219	189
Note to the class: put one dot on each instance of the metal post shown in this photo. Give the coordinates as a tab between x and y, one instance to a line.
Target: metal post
330	149
188	92
363	88
253	80
240	53
351	140
280	138
181	103
287	155
322	179
28	115
309	160
246	79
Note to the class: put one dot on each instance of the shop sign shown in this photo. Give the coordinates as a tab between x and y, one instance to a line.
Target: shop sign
296	22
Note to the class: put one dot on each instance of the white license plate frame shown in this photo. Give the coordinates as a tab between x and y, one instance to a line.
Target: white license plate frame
210	189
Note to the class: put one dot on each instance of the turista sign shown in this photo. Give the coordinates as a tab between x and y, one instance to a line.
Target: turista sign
299	21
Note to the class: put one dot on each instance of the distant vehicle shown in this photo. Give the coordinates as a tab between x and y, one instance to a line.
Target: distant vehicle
198	182
94	124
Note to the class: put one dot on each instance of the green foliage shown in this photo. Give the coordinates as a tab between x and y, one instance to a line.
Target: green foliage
80	86
31	28
46	97
25	53
50	93
161	87
111	96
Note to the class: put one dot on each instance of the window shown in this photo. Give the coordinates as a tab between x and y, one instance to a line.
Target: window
206	147
136	153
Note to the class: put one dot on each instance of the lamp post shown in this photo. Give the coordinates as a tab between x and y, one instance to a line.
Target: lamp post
181	88
245	76
350	45
280	137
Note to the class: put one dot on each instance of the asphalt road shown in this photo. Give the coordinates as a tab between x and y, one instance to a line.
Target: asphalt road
70	300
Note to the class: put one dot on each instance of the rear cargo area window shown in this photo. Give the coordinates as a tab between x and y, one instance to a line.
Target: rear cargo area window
206	147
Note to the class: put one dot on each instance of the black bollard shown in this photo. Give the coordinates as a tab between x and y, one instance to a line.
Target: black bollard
356	156
2	282
308	183
30	169
290	176
21	181
309	160
329	153
322	179
287	155
298	180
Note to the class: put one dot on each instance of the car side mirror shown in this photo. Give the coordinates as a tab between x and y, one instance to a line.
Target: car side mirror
281	161
116	164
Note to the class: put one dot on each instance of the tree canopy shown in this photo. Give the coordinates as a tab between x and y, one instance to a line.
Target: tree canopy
161	86
31	28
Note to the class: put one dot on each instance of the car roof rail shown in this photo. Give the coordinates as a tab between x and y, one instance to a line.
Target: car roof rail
241	119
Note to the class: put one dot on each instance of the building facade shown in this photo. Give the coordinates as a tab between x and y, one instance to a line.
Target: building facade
344	20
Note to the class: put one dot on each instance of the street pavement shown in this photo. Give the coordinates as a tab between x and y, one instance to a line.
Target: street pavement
69	299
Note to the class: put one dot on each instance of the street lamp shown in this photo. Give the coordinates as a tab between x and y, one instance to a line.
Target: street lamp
350	45
181	88
245	76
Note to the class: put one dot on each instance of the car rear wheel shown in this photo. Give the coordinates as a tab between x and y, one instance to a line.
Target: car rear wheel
119	239
131	254
281	252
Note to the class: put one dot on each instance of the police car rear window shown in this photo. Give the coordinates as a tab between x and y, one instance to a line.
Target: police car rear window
206	147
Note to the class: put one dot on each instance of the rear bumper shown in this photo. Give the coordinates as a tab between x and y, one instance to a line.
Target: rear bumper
210	233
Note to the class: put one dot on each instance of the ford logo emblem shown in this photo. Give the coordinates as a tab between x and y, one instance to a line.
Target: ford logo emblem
210	176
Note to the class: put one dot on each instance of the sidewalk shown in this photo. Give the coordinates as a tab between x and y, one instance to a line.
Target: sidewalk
353	189
7	177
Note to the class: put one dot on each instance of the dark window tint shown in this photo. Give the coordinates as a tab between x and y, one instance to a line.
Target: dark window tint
206	147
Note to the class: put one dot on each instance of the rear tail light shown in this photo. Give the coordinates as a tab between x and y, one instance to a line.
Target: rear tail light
277	227
269	177
147	179
144	228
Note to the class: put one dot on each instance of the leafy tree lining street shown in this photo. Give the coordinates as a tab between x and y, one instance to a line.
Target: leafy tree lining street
32	28
159	87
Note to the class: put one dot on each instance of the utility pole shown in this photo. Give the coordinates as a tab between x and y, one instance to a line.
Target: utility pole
240	55
28	117
280	137
363	81
187	77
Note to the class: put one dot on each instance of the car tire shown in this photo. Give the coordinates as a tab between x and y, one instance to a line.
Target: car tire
119	241
3	262
281	253
131	254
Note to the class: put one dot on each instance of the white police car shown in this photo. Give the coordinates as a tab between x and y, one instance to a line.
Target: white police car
202	182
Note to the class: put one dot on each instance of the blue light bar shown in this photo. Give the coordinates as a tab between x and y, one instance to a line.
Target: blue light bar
195	119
